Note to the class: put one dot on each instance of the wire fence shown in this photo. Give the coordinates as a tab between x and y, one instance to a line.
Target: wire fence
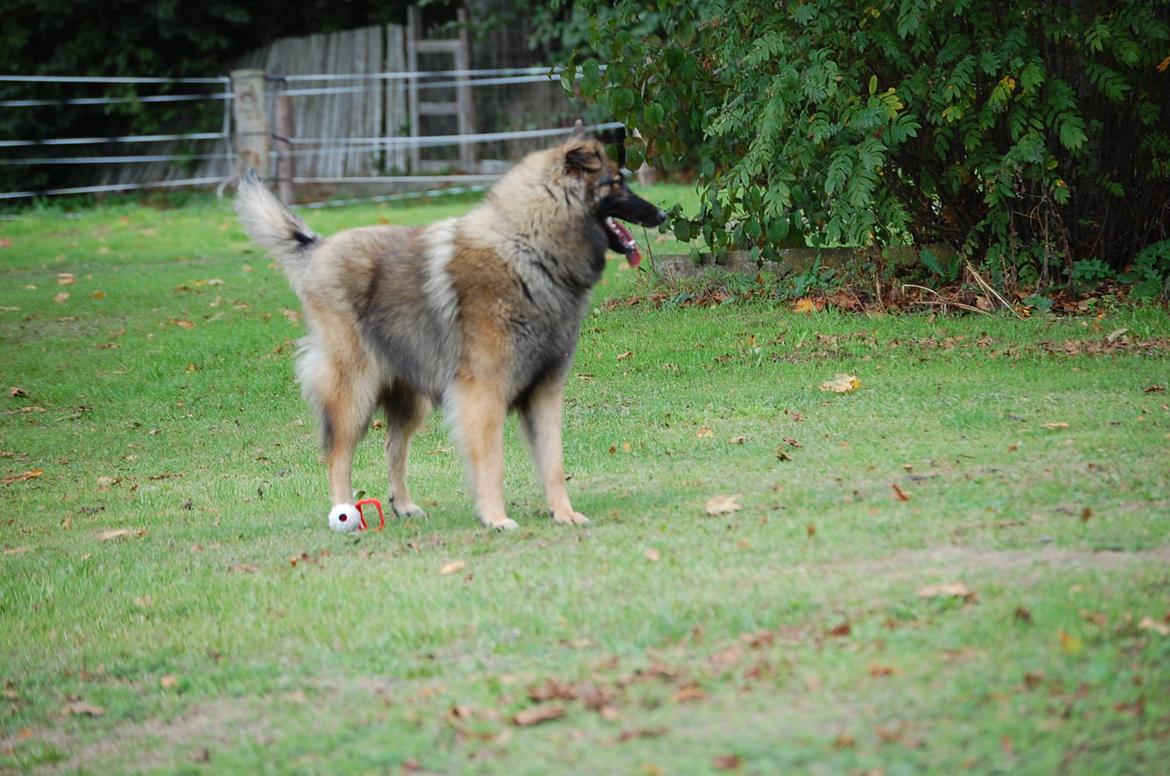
182	155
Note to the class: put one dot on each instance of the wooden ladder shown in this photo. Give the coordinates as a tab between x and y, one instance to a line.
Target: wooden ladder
459	49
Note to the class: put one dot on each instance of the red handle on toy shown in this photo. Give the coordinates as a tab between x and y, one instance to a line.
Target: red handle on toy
381	515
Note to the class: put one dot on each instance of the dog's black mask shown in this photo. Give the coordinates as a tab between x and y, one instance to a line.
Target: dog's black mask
620	204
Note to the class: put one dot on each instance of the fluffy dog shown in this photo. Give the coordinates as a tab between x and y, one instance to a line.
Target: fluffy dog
479	314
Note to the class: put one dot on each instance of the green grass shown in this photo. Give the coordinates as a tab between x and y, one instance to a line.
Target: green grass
788	636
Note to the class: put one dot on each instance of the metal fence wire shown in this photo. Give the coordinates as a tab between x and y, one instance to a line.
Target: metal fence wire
516	110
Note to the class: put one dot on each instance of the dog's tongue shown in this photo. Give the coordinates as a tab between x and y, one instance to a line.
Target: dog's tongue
633	255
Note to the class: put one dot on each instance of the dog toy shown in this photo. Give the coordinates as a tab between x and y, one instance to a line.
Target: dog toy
347	518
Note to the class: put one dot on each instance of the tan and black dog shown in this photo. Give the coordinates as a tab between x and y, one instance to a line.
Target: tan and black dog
479	314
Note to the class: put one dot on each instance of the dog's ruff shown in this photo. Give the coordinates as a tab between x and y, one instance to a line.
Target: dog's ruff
479	314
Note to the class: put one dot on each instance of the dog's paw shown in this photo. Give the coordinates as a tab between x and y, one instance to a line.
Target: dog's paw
345	518
407	509
569	517
503	524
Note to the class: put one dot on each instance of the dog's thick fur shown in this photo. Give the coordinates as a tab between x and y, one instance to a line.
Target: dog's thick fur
479	314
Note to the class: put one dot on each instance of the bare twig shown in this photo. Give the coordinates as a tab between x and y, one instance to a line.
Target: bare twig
940	301
991	291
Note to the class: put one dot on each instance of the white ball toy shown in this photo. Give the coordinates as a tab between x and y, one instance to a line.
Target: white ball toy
345	518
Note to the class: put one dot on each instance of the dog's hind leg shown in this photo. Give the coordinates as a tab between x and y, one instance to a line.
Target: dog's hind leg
541	416
476	410
406	410
342	387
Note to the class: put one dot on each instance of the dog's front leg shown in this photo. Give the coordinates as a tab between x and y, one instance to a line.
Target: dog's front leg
542	416
477	410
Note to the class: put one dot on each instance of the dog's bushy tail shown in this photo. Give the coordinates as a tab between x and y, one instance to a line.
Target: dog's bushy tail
274	227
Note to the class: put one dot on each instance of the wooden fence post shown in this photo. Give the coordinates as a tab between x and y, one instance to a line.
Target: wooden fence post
251	121
285	130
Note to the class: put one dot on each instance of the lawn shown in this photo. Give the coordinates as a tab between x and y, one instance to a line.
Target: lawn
964	563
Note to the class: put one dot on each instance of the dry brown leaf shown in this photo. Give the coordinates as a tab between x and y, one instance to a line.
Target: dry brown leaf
841	383
1150	624
804	306
689	693
118	533
31	474
947	590
899	493
538	714
723	505
876	670
704	433
844	629
625	356
183	323
452	567
726	762
83	709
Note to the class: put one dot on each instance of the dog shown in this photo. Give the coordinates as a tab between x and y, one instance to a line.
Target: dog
478	314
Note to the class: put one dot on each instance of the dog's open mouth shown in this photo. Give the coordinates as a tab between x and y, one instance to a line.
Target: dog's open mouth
622	241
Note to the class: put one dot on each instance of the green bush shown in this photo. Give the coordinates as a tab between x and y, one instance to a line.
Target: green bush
1027	135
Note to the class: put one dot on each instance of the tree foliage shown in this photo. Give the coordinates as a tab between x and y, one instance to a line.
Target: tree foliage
1015	132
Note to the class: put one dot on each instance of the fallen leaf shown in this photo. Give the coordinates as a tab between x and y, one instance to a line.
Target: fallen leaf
737	440
804	306
844	629
899	493
452	567
98	295
183	323
15	550
1086	513
31	474
704	433
947	590
61	297
689	693
792	442
877	670
243	568
1071	644
1054	426
841	383
625	356
538	714
654	732
16	392
118	533
723	505
1150	624
1113	336
1023	614
168	681
65	279
726	762
83	709
1154	389
652	555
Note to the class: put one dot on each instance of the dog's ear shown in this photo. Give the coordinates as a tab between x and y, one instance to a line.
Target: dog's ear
582	157
578	130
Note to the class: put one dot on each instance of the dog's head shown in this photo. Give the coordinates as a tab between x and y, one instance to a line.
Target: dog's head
607	196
